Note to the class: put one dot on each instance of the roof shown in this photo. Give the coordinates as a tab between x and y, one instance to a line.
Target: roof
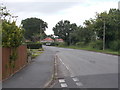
48	39
59	39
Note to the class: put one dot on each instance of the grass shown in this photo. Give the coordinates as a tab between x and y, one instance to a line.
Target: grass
36	52
107	51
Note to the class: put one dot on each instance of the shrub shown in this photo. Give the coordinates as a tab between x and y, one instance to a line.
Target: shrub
80	44
33	45
29	53
97	44
12	36
43	43
114	45
62	44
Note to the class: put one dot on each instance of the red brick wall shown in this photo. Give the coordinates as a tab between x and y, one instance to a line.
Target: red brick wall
19	63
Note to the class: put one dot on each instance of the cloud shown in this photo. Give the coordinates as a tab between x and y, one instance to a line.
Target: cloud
79	13
42	7
52	12
12	1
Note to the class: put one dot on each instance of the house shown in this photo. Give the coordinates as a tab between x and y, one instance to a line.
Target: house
48	39
59	40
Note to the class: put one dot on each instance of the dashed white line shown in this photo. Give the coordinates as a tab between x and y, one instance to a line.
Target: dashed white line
61	80
75	79
79	84
72	75
63	85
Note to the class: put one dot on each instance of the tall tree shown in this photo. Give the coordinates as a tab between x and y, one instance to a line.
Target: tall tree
34	28
63	29
111	20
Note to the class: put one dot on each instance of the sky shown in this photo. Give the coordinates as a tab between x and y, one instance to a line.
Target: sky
53	11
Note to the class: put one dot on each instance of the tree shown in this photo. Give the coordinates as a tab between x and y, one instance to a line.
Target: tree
82	34
4	12
111	19
34	28
51	36
63	29
12	36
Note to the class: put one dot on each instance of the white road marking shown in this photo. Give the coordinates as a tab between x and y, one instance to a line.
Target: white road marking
79	84
61	80
63	85
75	79
72	75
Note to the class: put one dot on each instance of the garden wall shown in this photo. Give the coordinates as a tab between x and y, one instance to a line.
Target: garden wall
19	63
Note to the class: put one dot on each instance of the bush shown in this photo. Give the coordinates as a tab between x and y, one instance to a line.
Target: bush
97	44
54	44
29	53
80	44
12	35
43	43
34	45
114	45
62	44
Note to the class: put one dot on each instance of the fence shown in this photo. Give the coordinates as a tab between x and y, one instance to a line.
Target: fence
19	63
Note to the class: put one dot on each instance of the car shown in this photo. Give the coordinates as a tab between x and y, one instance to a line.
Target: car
48	44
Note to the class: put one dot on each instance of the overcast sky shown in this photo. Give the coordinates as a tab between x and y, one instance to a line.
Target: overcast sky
52	11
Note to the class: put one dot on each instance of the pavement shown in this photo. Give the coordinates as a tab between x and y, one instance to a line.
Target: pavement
85	69
34	75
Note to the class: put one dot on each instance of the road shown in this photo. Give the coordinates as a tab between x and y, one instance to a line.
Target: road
85	69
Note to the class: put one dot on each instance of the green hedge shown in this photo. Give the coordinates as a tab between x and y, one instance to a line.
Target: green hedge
32	45
114	45
80	44
97	44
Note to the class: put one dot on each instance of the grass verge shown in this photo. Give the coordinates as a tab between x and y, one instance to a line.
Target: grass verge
107	51
36	52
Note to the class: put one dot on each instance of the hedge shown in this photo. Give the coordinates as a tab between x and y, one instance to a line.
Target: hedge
34	45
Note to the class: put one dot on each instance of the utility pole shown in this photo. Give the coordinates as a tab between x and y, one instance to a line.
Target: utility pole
40	32
104	35
103	18
119	5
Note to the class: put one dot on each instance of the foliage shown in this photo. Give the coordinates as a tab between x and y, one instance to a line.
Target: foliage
12	36
80	44
114	45
13	57
34	28
34	45
96	44
112	21
82	35
35	52
92	32
4	12
62	44
51	36
63	29
29	53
